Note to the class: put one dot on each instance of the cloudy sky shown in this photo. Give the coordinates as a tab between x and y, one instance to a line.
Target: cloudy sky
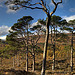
8	17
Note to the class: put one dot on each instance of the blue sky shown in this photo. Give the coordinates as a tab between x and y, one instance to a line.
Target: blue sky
8	17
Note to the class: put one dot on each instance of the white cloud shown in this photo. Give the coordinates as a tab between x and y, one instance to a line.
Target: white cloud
65	31
10	10
34	24
3	37
72	9
2	2
37	23
8	7
69	18
4	30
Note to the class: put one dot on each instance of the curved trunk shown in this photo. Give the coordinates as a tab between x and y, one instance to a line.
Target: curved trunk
45	46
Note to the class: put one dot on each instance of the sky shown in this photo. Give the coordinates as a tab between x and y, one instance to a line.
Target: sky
8	17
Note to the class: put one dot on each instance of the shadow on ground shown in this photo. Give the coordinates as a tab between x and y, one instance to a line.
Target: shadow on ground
15	72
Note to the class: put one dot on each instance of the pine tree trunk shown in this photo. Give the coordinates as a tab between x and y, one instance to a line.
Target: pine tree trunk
53	68
1	61
56	33
54	51
27	60
51	34
33	61
18	60
72	53
45	46
33	54
27	51
13	61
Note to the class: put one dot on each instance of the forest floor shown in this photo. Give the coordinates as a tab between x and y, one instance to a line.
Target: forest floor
62	67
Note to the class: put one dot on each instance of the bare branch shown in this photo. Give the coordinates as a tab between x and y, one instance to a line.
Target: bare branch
30	7
37	40
35	4
44	6
56	4
31	53
59	2
53	10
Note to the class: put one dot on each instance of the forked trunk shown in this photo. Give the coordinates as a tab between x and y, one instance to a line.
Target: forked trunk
45	46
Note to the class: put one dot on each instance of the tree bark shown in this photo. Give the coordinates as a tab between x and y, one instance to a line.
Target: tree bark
18	60
54	51
33	55
13	61
53	68
27	59
56	33
27	51
51	34
33	60
1	61
45	46
72	53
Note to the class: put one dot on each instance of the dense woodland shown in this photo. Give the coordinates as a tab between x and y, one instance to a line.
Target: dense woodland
48	48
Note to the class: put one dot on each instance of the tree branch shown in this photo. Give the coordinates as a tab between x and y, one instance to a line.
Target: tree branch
56	4
37	40
30	7
35	4
59	2
44	7
31	53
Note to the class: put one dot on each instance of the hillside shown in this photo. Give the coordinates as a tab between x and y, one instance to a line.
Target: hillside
62	63
68	39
